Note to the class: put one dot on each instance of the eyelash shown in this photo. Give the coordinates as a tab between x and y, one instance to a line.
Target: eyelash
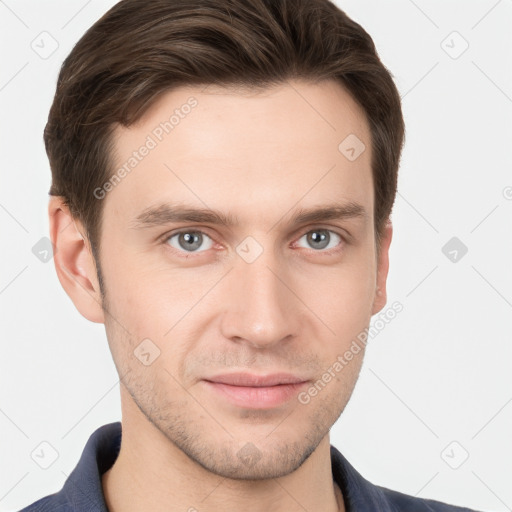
185	254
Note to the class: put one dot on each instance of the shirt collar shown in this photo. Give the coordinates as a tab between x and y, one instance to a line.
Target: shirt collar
83	487
359	494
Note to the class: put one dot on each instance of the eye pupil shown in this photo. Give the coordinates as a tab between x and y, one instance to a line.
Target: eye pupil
321	237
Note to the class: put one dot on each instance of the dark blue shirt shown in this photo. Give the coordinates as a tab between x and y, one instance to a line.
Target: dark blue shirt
83	492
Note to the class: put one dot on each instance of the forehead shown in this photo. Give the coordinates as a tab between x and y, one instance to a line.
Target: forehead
245	150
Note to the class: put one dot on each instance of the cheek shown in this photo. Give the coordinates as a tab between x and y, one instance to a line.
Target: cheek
152	300
137	305
342	296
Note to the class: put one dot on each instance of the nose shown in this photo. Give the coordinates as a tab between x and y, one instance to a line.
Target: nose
258	303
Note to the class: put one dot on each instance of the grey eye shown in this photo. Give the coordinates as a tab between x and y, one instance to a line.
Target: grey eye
321	239
189	241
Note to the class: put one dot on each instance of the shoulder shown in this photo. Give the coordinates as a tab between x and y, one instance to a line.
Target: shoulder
405	503
51	503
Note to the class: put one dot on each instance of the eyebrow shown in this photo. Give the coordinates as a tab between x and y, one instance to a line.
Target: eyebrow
166	213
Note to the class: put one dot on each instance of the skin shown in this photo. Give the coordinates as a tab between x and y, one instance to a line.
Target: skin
260	156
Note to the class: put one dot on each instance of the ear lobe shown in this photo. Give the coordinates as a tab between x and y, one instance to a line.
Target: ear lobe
380	299
74	261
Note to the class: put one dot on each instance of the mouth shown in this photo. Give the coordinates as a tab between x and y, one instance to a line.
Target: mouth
255	391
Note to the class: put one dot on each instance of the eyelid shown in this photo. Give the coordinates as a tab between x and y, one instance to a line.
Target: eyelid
177	231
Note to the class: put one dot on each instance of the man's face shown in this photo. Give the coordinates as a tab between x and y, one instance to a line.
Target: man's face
261	295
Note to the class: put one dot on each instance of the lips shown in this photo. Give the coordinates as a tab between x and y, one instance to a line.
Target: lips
251	391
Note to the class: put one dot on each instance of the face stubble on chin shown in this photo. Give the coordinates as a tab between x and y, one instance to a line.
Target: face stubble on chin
196	313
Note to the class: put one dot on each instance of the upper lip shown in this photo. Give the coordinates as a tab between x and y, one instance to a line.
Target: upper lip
253	380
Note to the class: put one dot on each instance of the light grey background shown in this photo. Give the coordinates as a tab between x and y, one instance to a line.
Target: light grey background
436	385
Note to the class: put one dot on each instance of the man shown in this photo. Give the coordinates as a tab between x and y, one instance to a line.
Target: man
223	177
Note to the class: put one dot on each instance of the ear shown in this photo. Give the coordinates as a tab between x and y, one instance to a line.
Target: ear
382	269
74	261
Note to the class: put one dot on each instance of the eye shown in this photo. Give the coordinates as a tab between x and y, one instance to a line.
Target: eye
189	241
320	239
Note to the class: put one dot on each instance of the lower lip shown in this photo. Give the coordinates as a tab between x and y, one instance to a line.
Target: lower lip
256	397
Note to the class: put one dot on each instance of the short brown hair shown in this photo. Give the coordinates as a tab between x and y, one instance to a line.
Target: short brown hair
142	48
